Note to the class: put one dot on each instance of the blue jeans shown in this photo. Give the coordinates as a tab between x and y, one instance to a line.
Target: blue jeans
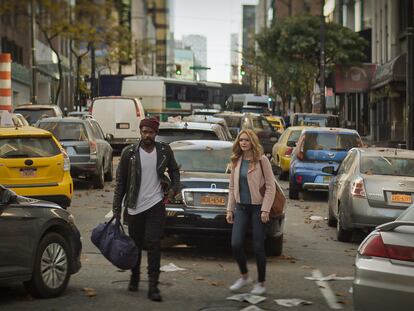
243	216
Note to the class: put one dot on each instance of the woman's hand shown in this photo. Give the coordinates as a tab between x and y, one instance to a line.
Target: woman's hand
229	217
265	217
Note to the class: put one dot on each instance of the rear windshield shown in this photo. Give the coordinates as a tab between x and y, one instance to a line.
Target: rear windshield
231	121
330	141
66	131
171	135
261	124
32	116
294	136
378	165
31	147
328	121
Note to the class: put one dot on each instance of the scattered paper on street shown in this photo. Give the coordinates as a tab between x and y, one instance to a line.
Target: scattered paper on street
171	268
252	308
316	218
293	302
253	299
90	292
331	277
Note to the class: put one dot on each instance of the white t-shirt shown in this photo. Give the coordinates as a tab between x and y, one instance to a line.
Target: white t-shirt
150	191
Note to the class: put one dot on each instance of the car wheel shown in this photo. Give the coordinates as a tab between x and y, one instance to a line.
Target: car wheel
331	218
99	180
274	246
51	267
293	192
109	173
342	234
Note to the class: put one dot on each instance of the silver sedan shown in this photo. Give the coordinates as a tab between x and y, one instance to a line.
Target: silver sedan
384	267
371	187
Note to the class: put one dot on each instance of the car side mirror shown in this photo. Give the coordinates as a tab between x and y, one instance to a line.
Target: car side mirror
7	196
109	137
329	170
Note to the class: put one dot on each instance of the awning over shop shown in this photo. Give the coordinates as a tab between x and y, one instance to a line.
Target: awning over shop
393	71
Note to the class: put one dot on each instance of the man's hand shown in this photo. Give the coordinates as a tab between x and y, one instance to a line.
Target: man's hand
265	217
117	214
229	217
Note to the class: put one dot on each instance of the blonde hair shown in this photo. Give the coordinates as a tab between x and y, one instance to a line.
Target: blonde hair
257	149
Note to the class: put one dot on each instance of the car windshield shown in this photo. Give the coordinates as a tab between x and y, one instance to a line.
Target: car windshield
379	165
66	131
207	160
30	147
171	135
33	115
294	136
330	141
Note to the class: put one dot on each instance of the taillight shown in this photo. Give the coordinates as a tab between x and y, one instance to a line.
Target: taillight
66	160
358	188
299	179
92	147
375	247
288	151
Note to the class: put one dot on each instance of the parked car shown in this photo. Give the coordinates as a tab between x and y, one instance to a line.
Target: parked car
384	269
32	113
34	164
119	116
89	151
213	120
258	123
277	122
180	130
315	119
39	244
282	150
316	149
372	186
201	210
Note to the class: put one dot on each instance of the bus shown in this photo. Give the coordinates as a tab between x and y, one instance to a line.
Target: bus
164	97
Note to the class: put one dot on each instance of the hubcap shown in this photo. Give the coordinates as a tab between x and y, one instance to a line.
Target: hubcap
54	265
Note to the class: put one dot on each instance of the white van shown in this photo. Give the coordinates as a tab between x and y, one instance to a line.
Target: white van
118	116
236	102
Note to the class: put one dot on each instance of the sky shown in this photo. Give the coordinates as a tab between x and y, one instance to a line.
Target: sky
215	19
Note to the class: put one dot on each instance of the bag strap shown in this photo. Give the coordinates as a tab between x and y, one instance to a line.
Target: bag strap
261	167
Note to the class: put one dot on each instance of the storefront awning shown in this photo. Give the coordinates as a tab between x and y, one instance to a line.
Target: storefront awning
393	71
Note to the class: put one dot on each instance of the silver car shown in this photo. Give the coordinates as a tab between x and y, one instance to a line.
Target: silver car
371	187
384	267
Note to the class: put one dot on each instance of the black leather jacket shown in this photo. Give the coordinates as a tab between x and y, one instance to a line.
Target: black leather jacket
128	174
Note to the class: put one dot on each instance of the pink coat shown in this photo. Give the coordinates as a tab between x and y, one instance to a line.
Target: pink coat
256	181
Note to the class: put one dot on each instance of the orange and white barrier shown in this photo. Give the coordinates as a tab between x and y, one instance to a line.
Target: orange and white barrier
5	82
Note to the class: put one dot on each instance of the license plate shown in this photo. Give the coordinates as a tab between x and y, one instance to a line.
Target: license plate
401	198
327	179
123	126
27	172
212	200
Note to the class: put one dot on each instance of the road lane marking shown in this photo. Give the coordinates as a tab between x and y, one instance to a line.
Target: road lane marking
326	291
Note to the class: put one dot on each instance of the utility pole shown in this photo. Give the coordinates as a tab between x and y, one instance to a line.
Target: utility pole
33	47
322	61
410	76
93	81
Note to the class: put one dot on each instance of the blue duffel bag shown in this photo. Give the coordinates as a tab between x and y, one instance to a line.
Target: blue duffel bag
114	244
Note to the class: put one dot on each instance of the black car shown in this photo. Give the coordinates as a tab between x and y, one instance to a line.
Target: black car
89	152
39	244
236	122
200	211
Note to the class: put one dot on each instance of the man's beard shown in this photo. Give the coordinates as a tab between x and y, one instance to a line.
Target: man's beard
148	141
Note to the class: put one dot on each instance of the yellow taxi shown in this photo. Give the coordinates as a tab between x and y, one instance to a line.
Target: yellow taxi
33	164
282	150
277	122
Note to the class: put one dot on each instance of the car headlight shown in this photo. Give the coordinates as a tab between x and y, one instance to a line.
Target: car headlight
189	198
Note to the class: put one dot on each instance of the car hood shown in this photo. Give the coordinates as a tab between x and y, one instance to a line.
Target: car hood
36	203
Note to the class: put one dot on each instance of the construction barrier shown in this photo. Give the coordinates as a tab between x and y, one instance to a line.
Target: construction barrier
5	82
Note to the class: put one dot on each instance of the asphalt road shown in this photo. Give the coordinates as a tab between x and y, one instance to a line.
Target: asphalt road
310	248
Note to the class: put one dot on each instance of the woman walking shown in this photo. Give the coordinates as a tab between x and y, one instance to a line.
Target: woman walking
251	172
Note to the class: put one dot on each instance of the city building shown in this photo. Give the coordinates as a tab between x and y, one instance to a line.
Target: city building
235	56
248	44
198	44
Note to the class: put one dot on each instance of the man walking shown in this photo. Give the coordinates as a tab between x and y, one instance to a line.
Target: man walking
142	184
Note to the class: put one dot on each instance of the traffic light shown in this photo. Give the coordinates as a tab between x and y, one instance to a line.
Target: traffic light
242	71
178	69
